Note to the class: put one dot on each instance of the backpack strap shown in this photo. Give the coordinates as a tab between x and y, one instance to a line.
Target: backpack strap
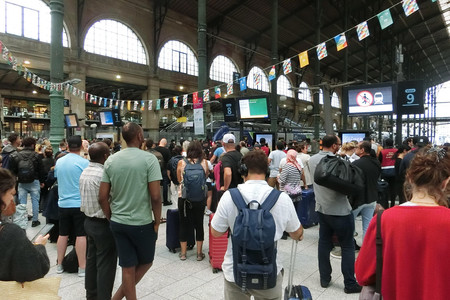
237	198
271	200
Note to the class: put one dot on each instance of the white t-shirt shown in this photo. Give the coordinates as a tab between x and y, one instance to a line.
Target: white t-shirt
283	213
276	157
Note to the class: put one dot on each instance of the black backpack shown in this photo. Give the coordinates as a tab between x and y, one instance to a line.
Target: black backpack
254	248
26	167
172	167
6	158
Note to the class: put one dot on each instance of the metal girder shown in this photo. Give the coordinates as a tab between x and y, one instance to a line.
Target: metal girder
80	10
217	23
160	8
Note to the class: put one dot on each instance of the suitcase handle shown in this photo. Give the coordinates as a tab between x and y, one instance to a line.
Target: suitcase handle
291	265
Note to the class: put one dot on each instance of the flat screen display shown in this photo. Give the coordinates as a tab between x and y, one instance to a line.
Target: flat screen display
253	108
229	110
370	99
106	118
71	120
352	136
267	136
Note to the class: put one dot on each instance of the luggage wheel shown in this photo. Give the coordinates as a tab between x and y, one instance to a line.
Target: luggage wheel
215	270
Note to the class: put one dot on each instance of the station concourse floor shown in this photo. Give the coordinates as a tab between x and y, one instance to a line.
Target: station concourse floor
170	278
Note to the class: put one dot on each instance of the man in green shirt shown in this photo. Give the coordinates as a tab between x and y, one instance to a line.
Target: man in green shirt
129	193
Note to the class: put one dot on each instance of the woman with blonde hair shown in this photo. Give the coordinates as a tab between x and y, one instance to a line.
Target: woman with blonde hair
414	235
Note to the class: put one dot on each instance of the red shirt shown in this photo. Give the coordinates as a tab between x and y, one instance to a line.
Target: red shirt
387	157
416	262
266	150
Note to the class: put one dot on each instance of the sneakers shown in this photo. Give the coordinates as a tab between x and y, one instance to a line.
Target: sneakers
35	223
324	283
81	272
207	212
354	289
336	252
167	203
59	269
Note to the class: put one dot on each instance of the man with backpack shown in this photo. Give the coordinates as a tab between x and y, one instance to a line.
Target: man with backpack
14	142
27	166
172	172
245	264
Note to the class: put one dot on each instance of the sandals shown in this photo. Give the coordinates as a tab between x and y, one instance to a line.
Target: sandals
163	220
182	256
200	256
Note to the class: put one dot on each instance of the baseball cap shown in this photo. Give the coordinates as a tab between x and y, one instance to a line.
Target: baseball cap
422	141
229	138
74	141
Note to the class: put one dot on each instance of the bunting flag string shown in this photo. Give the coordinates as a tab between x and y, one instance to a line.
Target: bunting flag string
384	18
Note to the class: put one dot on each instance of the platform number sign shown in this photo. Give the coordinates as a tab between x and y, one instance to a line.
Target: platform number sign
410	97
229	110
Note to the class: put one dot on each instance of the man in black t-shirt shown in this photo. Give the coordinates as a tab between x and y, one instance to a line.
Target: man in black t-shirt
230	176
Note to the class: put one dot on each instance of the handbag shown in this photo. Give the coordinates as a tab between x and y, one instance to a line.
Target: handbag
370	292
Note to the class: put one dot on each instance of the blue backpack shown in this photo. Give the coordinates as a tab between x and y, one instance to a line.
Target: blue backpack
194	182
254	248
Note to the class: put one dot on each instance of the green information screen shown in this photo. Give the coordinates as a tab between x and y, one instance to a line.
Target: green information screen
253	108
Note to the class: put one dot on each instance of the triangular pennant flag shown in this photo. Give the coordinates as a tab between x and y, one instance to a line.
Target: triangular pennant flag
243	83
158	104
135	105
166	103
385	18
257	79
185	100
105	102
117	105
100	101
110	103
410	6
362	30
272	74
122	104
129	105
150	104
230	88
206	95
341	41
195	97
74	91
142	105
217	92
287	67
175	101
322	51
303	58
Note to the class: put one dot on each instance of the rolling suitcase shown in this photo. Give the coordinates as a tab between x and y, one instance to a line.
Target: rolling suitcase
306	209
173	231
217	248
295	292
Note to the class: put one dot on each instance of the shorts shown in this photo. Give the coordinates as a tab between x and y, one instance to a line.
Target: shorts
209	185
71	220
135	243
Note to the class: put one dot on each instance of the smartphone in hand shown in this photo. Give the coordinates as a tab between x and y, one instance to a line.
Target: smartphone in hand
44	230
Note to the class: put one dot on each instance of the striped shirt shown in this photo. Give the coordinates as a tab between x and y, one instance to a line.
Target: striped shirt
89	186
290	175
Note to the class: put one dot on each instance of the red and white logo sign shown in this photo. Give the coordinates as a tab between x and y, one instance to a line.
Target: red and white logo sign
364	98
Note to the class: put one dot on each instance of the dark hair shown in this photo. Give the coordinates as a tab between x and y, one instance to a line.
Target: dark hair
254	160
177	150
428	169
108	142
262	141
389	142
300	147
149	143
329	140
280	145
194	150
13	137
62	144
29	141
130	131
7	181
48	151
366	146
401	149
97	151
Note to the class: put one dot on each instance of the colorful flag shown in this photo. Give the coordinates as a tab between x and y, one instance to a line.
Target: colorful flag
206	95
385	18
272	74
243	83
122	104
110	103
410	6
362	30
185	99
322	51
175	101
218	93
135	106
195	97
158	104
129	105
150	104
304	60
230	88
142	105
166	103
117	104
287	67
341	41
100	101
257	79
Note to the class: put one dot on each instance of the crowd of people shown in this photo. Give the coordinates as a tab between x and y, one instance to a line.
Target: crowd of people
85	189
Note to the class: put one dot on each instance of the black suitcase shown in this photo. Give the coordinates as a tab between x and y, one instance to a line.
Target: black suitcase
173	231
306	209
295	292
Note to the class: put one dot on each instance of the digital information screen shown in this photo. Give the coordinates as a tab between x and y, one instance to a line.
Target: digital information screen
71	120
106	118
353	136
370	100
253	108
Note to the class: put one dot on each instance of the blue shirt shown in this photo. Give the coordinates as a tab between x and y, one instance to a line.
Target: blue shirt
68	170
218	152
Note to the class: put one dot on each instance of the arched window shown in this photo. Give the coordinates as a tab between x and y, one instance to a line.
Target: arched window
335	100
284	87
257	80
222	69
304	93
30	19
177	56
114	39
320	96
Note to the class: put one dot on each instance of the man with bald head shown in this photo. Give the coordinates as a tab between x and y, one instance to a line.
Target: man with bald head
130	198
101	260
162	148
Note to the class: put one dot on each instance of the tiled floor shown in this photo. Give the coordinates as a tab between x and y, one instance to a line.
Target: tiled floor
170	278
